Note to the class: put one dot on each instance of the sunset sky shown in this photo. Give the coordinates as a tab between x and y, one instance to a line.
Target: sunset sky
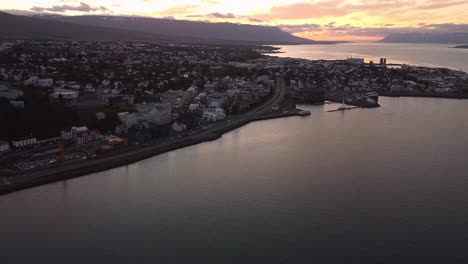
354	20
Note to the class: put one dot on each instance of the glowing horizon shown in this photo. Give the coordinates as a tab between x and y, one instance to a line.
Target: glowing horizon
352	20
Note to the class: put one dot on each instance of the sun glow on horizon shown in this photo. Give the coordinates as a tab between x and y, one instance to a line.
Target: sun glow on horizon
351	20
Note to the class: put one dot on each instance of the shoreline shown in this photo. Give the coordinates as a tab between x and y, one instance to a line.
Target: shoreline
51	175
23	180
424	95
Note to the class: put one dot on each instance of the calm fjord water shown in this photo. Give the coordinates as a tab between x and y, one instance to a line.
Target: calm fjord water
386	185
431	55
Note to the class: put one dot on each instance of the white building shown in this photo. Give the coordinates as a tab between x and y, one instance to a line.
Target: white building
106	83
66	134
216	100
45	83
127	119
159	114
79	129
100	115
179	127
213	114
86	137
190	94
65	94
4	146
194	107
35	81
81	135
115	91
74	86
31	81
24	142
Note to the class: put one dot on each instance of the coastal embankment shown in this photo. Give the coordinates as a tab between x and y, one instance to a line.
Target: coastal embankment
295	112
132	155
21	180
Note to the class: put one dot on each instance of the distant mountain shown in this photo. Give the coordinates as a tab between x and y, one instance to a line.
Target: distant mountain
190	29
426	37
23	27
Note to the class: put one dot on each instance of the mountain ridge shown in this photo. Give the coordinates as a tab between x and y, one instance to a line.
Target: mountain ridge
119	28
23	27
186	28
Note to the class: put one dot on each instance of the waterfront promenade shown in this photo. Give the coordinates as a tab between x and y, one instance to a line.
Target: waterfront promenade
21	180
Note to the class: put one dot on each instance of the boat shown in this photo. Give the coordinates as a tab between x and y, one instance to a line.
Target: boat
373	95
343	109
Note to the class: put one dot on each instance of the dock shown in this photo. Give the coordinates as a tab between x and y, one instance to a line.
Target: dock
343	109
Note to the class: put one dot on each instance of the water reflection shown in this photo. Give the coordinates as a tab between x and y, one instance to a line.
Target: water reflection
414	54
384	185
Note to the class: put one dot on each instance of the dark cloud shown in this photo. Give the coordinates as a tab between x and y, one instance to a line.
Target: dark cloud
301	28
83	7
447	27
253	19
220	15
330	25
217	15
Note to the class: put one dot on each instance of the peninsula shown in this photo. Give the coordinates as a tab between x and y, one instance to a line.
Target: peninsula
73	108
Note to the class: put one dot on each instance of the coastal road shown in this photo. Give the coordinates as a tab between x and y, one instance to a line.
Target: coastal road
133	154
277	96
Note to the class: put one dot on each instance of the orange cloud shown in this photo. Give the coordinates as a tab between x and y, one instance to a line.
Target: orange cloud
338	8
179	10
353	19
304	10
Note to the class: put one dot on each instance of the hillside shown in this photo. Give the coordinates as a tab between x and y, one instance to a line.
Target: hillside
22	27
437	38
190	29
